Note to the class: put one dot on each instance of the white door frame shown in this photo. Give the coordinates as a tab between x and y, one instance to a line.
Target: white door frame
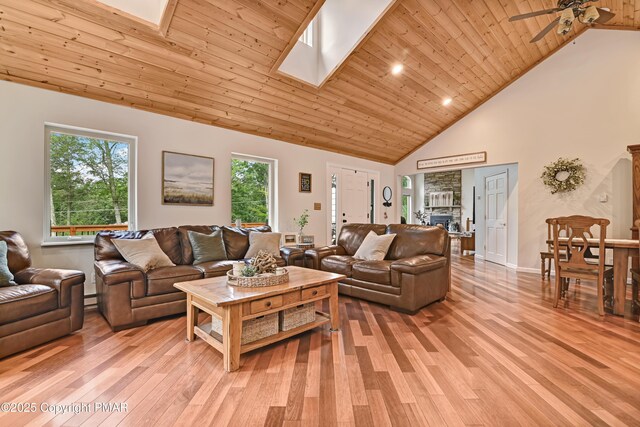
336	168
506	216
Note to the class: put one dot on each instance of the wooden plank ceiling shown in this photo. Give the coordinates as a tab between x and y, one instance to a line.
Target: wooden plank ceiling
213	65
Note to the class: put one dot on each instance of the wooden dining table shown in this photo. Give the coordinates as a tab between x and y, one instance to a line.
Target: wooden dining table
622	250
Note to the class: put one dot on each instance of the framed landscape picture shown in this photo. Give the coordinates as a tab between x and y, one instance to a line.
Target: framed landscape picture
304	182
289	239
187	179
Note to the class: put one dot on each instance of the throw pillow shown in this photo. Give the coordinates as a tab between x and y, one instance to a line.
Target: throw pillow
207	247
374	247
6	278
258	241
144	253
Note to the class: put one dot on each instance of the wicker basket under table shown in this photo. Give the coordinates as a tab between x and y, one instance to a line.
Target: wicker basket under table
294	317
252	329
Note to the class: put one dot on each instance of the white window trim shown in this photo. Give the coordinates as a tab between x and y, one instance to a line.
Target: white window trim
272	197
308	35
49	240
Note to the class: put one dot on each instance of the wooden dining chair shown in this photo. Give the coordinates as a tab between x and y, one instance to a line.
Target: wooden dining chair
576	264
547	256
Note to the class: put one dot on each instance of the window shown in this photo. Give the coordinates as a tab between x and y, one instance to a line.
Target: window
90	183
307	36
334	207
406	182
406	208
407	194
252	190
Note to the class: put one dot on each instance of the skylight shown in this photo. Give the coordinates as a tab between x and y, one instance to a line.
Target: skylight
336	30
148	10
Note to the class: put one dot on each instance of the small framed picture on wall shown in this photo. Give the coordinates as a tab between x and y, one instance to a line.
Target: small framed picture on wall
304	182
289	239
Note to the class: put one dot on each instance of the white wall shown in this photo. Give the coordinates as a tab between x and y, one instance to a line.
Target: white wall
24	110
468	178
581	102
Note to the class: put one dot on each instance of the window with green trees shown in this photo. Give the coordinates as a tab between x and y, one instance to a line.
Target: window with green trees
89	176
251	190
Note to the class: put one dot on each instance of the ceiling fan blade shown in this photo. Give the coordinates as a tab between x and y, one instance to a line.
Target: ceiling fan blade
532	14
605	16
546	29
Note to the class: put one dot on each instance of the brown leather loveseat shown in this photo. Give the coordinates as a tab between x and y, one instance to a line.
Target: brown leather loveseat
41	304
129	297
415	272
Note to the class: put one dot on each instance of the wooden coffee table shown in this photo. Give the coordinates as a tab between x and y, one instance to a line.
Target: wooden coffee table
234	304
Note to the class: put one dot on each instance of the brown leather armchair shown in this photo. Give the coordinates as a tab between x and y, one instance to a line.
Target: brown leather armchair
415	272
41	305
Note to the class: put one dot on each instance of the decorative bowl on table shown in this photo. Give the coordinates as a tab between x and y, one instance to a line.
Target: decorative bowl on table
259	280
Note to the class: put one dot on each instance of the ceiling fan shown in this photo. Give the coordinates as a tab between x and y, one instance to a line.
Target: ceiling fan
569	11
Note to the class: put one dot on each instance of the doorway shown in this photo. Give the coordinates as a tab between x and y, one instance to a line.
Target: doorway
457	199
496	197
352	198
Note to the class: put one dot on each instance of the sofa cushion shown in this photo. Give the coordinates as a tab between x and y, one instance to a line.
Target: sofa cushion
374	247
215	268
161	280
419	264
23	301
144	253
103	247
18	256
169	242
185	244
236	240
6	278
340	264
373	271
263	241
352	235
414	239
207	247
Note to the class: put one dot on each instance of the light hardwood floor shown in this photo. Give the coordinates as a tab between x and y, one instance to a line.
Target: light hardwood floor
495	353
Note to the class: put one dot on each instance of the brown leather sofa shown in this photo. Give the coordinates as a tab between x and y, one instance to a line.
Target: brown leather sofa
42	305
415	272
129	297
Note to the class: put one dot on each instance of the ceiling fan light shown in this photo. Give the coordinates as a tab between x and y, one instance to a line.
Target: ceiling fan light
563	29
590	15
567	17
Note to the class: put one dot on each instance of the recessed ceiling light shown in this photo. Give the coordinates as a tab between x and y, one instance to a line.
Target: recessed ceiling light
447	101
397	69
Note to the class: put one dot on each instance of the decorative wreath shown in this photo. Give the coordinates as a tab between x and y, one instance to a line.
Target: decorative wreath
563	175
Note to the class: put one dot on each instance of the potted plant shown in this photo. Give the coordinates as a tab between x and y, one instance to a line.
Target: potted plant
302	222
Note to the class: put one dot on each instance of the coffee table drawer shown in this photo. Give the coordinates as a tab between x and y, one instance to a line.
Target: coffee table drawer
265	304
314	292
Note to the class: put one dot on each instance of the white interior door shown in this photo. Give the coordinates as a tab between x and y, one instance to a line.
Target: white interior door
354	197
496	218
